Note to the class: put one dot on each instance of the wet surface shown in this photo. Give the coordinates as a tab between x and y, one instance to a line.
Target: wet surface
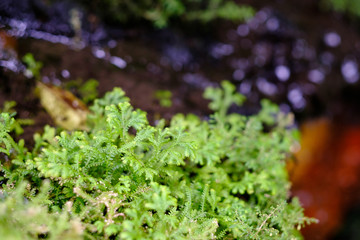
303	58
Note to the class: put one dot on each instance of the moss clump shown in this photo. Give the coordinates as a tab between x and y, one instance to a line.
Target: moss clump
219	179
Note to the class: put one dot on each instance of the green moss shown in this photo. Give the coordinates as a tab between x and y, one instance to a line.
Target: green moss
219	179
164	97
160	12
351	7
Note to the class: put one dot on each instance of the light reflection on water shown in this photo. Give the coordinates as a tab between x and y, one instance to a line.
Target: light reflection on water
221	49
197	80
316	76
332	39
245	87
266	87
327	58
177	56
243	30
52	38
272	24
296	98
350	71
282	73
98	52
118	62
241	63
11	64
239	74
65	73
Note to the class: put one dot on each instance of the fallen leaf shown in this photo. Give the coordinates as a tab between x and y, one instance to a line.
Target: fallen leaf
66	110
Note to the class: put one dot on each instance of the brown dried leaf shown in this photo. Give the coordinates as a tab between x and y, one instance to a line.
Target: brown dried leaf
66	110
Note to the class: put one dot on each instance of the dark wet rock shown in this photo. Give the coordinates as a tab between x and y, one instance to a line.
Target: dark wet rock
54	23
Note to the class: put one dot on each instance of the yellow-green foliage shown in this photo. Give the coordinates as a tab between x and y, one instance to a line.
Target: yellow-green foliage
351	7
219	179
164	98
161	11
